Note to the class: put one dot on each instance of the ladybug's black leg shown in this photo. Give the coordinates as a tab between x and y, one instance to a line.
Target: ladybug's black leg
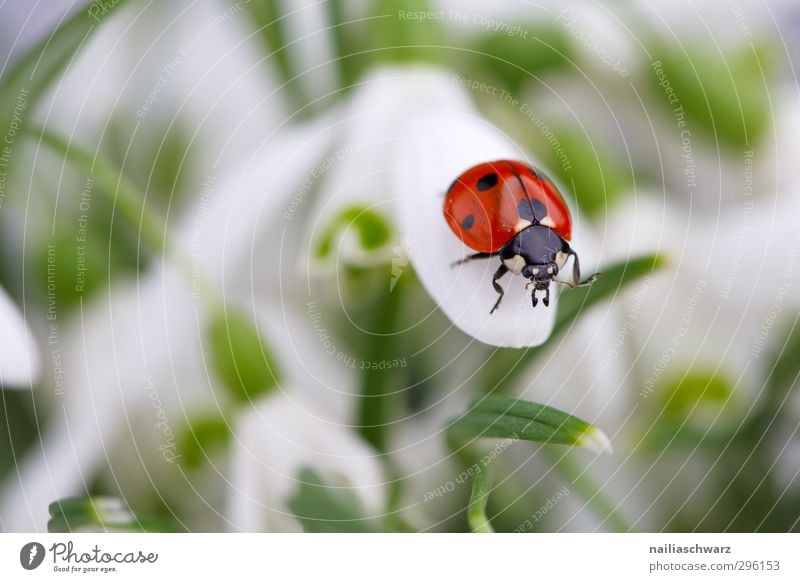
501	270
473	257
576	274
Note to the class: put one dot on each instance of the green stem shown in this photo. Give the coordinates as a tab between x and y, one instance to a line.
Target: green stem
603	507
476	511
376	403
270	20
124	195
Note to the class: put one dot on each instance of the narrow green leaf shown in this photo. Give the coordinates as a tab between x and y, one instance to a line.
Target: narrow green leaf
99	514
785	363
242	362
33	73
520	57
325	508
573	302
593	172
725	94
113	182
404	31
476	511
381	389
349	38
270	21
503	366
503	417
782	381
606	509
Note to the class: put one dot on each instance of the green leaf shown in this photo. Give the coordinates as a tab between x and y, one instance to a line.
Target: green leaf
381	389
517	59
349	38
785	368
270	22
111	181
34	72
325	508
397	36
159	158
615	277
241	360
588	168
476	511
20	427
606	509
503	366
781	382
503	417
725	94
201	437
99	514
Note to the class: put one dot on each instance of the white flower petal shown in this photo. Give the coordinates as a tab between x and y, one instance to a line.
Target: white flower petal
127	349
357	170
235	221
440	145
277	438
19	356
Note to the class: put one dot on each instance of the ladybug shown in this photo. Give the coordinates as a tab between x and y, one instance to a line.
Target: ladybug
512	210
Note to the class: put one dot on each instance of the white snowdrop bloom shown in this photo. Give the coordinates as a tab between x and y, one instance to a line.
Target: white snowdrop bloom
274	440
441	145
158	324
19	356
409	132
713	310
181	65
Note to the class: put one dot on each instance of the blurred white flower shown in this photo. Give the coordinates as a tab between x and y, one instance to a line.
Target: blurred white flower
407	134
19	357
277	438
158	324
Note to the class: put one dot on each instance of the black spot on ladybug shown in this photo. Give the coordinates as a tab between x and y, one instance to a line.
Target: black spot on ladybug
488	181
468	221
534	211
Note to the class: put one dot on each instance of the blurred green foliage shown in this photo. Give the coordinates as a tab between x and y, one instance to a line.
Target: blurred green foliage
595	174
370	227
514	61
499	416
100	514
202	437
726	94
323	508
240	359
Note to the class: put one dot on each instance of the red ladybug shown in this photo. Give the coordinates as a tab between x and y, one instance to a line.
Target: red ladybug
512	210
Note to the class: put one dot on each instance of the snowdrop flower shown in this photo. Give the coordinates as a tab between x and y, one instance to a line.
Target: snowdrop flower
407	134
19	357
277	438
158	325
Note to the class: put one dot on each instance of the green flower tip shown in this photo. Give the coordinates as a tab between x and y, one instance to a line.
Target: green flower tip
596	441
661	260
